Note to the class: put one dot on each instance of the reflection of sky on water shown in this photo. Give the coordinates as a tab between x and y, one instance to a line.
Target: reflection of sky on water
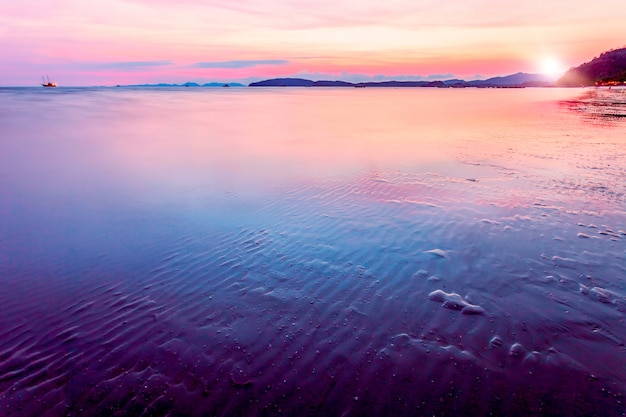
223	228
78	161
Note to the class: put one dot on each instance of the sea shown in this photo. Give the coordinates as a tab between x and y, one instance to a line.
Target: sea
312	252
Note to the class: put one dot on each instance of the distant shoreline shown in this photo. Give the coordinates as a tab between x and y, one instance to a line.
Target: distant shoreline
519	80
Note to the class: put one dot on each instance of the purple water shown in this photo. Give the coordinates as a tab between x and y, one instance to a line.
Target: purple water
305	252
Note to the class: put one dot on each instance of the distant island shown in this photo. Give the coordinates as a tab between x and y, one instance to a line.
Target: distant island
518	80
187	84
607	69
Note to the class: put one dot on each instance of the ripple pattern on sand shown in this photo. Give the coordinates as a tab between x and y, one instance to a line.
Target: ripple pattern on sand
263	253
328	315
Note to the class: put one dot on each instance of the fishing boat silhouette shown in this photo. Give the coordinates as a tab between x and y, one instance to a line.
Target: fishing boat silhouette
48	83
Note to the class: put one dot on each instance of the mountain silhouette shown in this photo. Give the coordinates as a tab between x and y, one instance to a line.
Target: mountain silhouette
515	80
608	68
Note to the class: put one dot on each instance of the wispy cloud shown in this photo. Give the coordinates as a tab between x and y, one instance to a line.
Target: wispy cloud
328	36
245	63
129	65
405	13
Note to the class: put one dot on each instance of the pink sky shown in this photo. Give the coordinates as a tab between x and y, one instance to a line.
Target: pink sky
87	42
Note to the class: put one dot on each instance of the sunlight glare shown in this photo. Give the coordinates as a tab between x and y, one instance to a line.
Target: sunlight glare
551	66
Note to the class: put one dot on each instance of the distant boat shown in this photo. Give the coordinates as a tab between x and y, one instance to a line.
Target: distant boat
48	83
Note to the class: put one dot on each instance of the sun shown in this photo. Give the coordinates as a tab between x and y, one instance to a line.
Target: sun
551	66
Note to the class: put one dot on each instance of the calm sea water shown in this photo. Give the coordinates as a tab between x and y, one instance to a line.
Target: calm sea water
312	251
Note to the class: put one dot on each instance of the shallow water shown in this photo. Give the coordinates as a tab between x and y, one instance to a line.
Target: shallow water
312	252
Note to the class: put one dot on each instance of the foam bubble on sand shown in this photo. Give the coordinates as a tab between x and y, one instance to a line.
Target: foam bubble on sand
454	301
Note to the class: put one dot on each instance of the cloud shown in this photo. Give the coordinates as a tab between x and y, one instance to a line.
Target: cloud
447	76
300	14
129	65
246	63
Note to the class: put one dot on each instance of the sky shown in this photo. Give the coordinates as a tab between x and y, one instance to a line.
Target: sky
89	42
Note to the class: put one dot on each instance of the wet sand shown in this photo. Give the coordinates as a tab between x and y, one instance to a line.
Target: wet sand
471	287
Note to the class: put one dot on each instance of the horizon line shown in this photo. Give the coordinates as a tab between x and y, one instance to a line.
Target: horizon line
372	79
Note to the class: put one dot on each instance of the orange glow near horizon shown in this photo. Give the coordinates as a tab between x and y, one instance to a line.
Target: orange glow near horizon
80	43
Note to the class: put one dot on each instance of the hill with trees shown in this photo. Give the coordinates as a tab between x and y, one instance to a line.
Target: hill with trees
607	69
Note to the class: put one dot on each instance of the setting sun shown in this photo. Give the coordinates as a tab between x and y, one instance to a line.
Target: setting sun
551	66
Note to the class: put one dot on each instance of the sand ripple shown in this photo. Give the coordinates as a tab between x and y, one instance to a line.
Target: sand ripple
328	312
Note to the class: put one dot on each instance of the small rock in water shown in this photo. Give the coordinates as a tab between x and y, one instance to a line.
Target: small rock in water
495	342
471	309
532	358
583	235
517	350
454	301
601	295
438	295
598	293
